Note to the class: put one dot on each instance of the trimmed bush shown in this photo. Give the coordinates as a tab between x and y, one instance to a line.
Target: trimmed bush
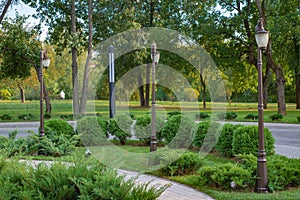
276	117
178	131
172	113
224	144
298	118
5	117
186	164
227	116
226	176
206	135
252	116
120	127
47	116
27	116
143	128
58	127
245	140
93	131
201	115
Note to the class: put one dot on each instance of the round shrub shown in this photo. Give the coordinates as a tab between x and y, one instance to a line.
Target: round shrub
58	127
177	163
226	176
120	127
245	140
143	128
92	130
206	135
224	144
177	132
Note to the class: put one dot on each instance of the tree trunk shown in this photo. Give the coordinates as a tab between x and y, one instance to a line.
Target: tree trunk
147	85
8	3
22	93
280	87
298	91
85	86
141	90
74	63
204	90
266	79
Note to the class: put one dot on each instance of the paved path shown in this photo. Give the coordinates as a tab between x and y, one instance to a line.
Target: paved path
175	191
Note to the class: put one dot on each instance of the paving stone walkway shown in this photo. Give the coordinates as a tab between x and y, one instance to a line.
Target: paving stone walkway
175	191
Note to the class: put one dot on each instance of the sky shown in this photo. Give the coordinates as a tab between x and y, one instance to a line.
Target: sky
23	9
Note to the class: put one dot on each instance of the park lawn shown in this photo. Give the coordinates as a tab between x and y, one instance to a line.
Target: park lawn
101	107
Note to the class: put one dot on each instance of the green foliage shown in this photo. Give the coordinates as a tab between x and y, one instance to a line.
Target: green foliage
227	116
178	164
276	117
298	118
27	116
172	113
178	131
63	181
201	115
5	94
226	176
143	128
93	131
206	135
224	144
47	115
3	141
251	116
5	117
58	127
245	140
283	172
120	127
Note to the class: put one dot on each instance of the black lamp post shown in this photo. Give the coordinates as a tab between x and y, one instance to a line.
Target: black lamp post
112	97
44	62
262	38
155	58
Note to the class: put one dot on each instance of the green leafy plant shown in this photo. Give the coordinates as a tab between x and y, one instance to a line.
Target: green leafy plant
172	113
298	118
47	115
5	117
226	176
251	116
178	131
58	127
143	128
120	127
206	135
27	116
186	164
92	130
201	115
276	117
245	140
224	144
227	116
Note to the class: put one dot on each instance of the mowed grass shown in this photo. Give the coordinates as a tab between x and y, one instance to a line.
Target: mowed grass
101	107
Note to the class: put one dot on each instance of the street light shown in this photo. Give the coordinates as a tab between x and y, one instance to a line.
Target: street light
155	58
44	62
112	96
262	38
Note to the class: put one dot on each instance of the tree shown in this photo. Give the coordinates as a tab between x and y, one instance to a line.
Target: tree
20	51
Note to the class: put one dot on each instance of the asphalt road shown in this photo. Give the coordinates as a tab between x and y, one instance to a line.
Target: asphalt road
287	136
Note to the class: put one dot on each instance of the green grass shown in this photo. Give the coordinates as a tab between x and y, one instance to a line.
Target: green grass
64	107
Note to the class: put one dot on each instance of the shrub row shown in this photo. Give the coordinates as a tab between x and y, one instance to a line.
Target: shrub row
81	181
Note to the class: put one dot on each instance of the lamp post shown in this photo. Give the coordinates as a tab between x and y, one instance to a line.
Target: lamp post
262	38
155	58
44	62
112	97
